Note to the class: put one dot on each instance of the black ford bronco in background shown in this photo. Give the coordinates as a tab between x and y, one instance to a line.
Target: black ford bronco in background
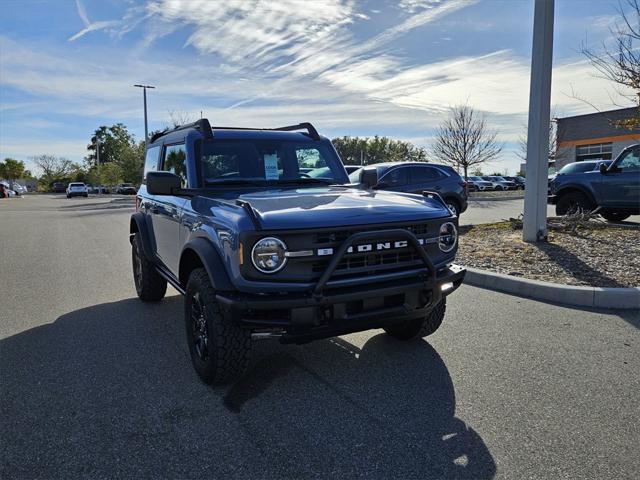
261	233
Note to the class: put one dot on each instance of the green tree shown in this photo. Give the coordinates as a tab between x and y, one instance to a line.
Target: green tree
376	150
11	170
117	145
111	174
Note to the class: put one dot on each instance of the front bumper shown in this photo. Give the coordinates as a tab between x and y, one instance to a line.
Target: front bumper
327	313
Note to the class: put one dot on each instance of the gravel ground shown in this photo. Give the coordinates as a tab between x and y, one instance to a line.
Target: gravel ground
598	255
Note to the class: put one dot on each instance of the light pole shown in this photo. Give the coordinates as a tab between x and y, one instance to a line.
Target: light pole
537	163
144	96
98	162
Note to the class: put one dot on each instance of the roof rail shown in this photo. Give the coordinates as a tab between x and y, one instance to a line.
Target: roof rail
201	125
313	133
301	126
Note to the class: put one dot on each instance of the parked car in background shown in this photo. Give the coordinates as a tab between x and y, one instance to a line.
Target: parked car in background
97	189
77	189
19	189
58	187
477	184
519	181
500	183
416	177
613	189
126	189
10	193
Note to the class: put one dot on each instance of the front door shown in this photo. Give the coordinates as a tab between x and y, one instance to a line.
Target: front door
620	186
167	209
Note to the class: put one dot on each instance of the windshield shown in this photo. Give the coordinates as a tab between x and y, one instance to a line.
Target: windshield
579	167
256	162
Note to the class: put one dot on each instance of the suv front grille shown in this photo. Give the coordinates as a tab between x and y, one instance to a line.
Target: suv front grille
341	235
352	265
370	264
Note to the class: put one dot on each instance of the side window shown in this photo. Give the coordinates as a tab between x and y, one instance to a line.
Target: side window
631	161
425	174
175	161
396	177
151	161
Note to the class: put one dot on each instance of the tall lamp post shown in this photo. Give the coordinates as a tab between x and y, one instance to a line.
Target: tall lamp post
144	95
537	163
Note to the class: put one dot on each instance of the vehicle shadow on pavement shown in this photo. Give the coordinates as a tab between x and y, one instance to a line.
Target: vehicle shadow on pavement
115	203
384	411
109	391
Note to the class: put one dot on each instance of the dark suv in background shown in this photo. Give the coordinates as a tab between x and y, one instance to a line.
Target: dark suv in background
417	177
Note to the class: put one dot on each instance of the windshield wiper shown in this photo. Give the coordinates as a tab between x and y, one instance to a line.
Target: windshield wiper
234	181
302	181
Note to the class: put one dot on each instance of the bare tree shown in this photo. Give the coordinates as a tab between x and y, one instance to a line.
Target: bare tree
620	62
464	141
53	168
178	118
555	153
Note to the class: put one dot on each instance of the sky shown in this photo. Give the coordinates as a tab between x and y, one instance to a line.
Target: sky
350	67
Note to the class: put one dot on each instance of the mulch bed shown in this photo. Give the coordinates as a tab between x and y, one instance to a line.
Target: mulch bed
595	254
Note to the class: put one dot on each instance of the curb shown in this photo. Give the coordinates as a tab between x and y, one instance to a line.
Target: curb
575	296
494	199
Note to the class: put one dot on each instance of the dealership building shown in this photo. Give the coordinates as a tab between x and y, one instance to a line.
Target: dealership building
595	136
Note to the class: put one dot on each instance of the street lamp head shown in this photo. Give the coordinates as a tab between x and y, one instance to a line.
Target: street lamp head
144	86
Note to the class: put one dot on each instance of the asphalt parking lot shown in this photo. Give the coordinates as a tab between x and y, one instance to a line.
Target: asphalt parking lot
96	384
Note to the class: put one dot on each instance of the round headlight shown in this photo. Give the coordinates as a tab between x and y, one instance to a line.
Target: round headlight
267	255
448	237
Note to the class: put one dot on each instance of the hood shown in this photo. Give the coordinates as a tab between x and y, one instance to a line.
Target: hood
334	206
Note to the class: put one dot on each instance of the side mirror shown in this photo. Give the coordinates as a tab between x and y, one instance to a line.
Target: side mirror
163	183
603	168
369	177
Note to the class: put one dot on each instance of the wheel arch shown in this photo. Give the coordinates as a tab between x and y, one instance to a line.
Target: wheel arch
200	253
576	189
138	225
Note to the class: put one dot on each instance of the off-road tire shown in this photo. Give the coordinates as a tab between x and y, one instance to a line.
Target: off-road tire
150	286
227	345
614	216
572	202
421	327
453	206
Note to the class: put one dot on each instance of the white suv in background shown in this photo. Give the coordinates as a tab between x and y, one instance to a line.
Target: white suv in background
77	189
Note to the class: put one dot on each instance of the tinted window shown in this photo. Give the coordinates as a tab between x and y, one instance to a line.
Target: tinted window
425	174
579	167
631	161
151	160
175	161
395	177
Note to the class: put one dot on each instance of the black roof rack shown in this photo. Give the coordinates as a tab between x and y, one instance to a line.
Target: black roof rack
201	125
313	133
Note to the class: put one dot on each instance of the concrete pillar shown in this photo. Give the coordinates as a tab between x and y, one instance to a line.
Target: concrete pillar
535	197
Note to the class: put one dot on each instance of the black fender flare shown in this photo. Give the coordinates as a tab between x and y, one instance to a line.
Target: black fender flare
138	225
210	259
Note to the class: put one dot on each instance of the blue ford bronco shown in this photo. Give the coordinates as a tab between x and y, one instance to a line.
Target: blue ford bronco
612	190
261	232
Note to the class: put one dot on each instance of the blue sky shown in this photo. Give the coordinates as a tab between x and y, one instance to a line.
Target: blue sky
351	68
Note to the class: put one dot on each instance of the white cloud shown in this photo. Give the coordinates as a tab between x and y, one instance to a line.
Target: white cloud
89	26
